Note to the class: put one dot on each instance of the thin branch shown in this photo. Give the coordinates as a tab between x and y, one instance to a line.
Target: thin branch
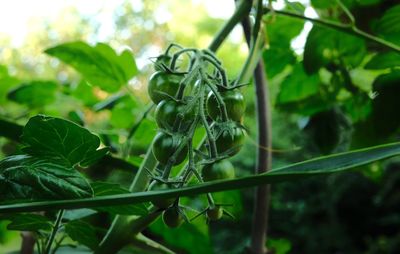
347	28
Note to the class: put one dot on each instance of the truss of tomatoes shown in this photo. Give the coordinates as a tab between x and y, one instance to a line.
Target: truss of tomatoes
188	100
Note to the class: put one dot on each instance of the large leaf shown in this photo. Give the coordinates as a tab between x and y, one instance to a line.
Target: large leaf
34	94
298	85
82	232
99	65
105	189
318	166
389	25
61	139
325	46
27	177
383	61
30	222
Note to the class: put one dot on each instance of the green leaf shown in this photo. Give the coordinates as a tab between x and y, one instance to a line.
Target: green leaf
99	65
110	102
83	233
389	25
318	166
6	83
84	92
186	236
105	189
298	85
283	29
29	222
34	94
27	177
384	61
279	246
55	137
326	46
276	58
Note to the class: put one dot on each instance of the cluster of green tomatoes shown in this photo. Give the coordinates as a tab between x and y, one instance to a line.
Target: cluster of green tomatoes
191	91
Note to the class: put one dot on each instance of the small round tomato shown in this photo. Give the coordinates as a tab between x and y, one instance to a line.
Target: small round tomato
230	141
172	218
219	170
161	203
214	213
167	112
162	84
164	147
234	103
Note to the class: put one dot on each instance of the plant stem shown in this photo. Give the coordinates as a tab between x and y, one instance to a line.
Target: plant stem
54	231
347	28
210	136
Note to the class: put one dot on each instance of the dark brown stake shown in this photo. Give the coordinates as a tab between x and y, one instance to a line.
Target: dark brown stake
261	201
28	243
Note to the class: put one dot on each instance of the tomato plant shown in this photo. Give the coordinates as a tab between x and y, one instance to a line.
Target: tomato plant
90	162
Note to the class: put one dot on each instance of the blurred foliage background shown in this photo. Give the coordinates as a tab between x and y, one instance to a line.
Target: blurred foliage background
330	92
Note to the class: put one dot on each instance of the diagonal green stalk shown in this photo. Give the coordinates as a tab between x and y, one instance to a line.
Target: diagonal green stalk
318	166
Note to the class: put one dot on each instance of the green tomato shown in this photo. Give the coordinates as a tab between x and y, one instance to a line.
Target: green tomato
164	147
172	218
234	103
167	112
219	170
230	141
162	203
215	213
162	84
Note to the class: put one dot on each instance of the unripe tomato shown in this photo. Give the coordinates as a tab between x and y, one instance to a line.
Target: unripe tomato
165	145
234	103
172	218
231	141
167	114
162	83
219	170
214	213
162	203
